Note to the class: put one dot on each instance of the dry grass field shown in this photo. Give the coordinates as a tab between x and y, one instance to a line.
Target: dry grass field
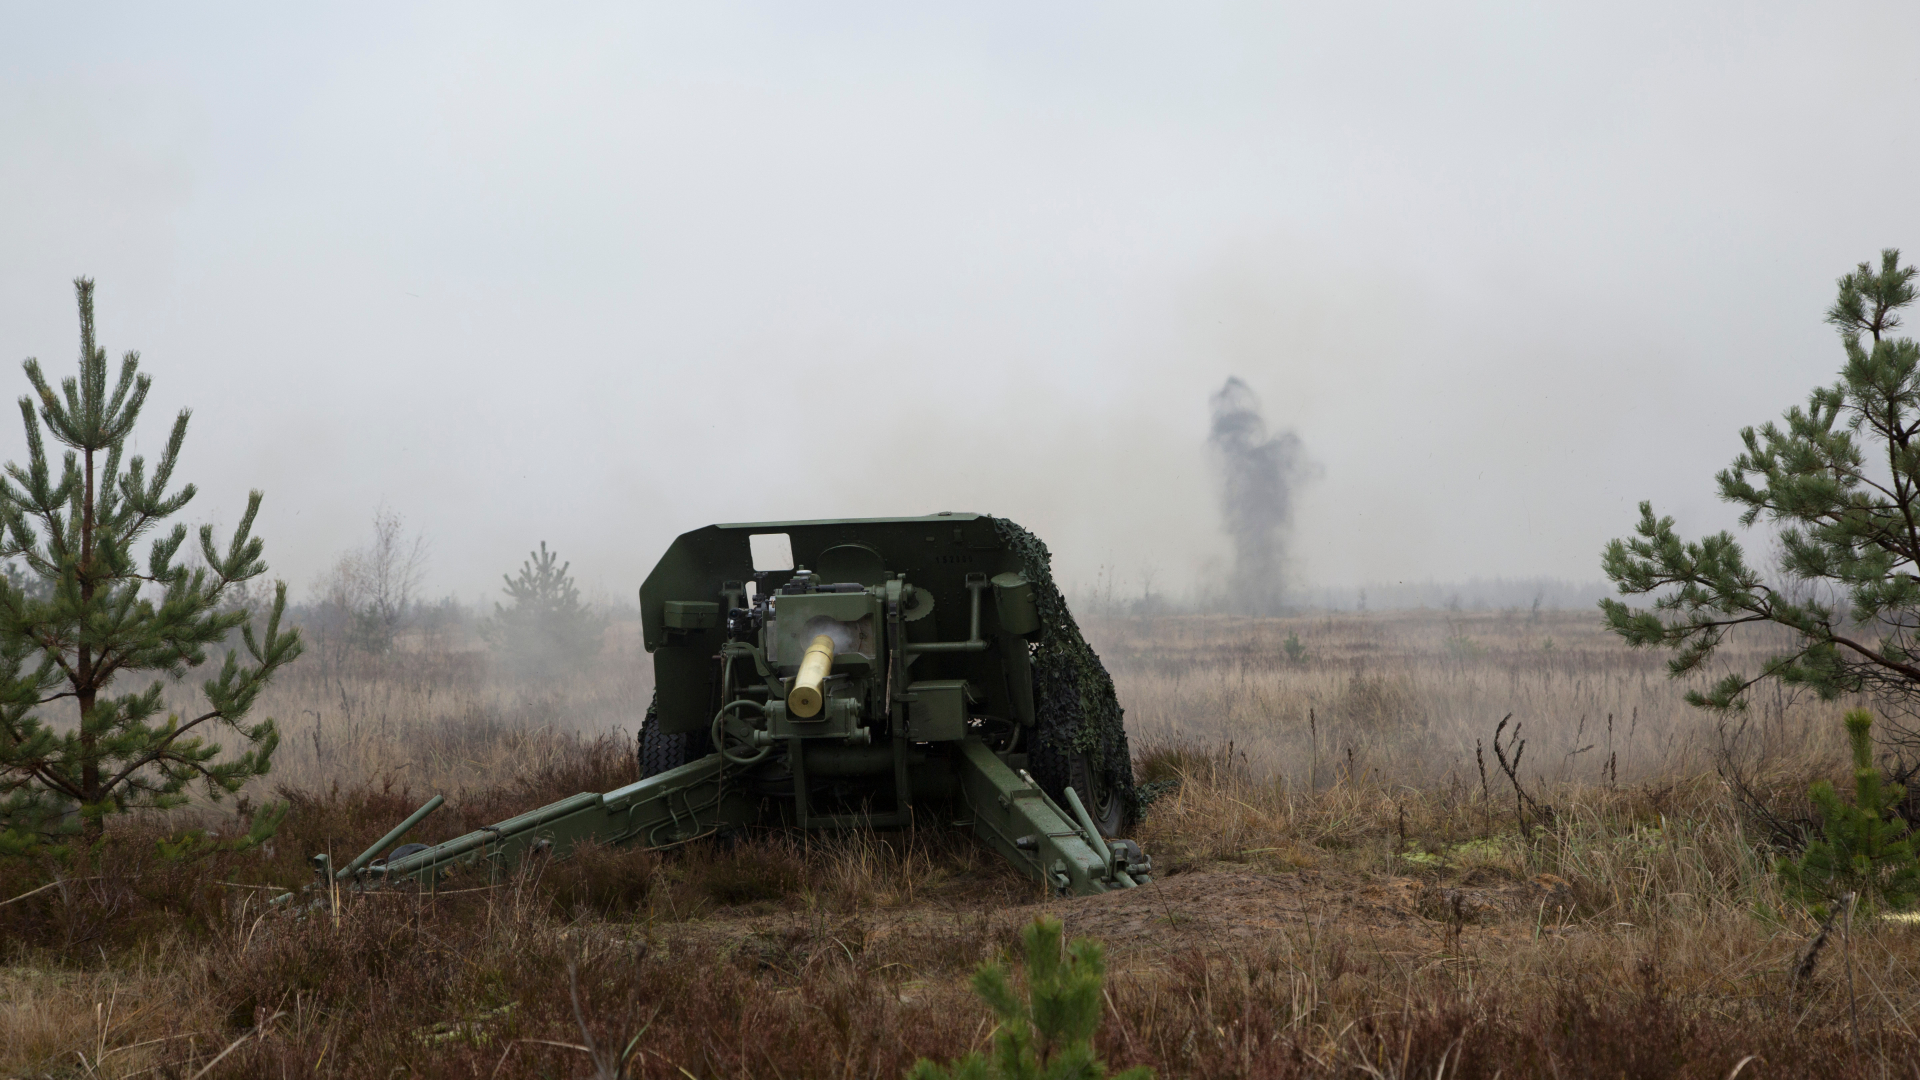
1342	890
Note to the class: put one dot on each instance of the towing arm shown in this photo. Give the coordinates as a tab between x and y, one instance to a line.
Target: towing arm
1018	820
1008	811
661	811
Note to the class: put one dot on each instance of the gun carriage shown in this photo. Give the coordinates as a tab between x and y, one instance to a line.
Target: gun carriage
864	673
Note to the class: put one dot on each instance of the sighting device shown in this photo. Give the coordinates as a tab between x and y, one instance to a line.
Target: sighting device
848	674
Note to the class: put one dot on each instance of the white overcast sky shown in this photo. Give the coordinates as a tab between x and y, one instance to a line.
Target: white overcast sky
596	275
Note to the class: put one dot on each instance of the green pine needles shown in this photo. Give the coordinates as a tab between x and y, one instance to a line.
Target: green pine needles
547	631
79	610
1048	1035
1841	480
1863	848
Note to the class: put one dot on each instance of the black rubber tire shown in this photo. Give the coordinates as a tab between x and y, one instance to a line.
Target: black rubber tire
1108	808
658	750
1057	767
405	850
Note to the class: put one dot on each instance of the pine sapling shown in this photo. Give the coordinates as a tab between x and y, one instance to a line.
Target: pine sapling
1864	847
1296	649
548	630
1049	1034
82	614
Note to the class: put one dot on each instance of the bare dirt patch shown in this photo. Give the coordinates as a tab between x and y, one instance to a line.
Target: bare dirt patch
1200	909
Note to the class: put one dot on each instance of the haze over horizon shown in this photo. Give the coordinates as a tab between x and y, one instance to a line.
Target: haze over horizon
602	274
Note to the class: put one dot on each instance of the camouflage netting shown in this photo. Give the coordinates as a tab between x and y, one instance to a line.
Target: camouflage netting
1079	712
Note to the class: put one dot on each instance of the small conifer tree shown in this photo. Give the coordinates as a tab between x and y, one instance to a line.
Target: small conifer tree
548	630
1863	848
1296	649
1048	1035
85	611
1840	479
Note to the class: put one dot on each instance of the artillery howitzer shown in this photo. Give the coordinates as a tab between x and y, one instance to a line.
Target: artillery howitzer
890	672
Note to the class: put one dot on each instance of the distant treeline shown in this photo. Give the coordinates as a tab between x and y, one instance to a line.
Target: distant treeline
1473	594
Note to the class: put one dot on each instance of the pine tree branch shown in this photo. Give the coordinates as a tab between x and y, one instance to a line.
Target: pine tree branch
58	782
1895	443
1909	670
161	749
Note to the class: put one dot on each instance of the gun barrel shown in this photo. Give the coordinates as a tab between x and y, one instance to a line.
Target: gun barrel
806	697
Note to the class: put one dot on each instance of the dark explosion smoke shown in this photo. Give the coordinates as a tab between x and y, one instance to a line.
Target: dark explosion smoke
1258	474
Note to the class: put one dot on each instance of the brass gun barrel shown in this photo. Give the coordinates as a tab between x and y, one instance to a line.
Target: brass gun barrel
805	699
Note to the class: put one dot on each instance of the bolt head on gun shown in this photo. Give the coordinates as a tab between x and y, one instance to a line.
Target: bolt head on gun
807	695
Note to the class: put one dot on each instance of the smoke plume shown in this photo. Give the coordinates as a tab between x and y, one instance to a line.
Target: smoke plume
1258	474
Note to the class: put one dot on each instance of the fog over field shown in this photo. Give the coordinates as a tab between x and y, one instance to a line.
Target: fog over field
599	274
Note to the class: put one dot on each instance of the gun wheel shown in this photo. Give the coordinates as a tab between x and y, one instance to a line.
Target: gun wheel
658	750
1102	801
1058	768
401	852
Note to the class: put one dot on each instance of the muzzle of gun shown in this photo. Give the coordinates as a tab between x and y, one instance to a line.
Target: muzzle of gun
806	697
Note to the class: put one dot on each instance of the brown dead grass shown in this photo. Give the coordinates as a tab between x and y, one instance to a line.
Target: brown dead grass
1372	911
1404	697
